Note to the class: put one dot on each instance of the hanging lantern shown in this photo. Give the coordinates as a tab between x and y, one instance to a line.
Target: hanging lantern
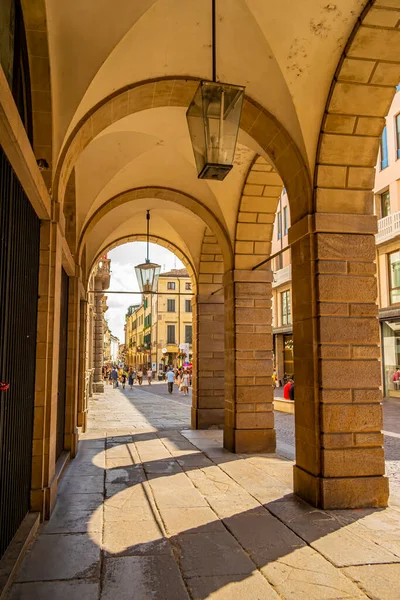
213	119
147	273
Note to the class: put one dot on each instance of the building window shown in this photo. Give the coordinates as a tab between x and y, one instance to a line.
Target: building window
398	134
170	305
279	225
385	204
286	309
285	220
170	285
394	277
145	303
279	262
188	286
170	334
188	334
384	150
188	306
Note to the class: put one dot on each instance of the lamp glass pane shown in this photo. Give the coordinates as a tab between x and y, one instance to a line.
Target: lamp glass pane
213	119
147	275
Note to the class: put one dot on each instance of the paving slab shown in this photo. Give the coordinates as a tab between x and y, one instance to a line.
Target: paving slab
62	556
84	485
142	578
231	587
212	553
263	536
60	590
180	520
134	537
380	582
305	575
65	520
343	545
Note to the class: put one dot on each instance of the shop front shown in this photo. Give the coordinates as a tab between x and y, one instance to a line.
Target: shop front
390	332
283	354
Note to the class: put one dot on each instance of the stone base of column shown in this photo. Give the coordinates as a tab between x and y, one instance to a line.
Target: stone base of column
98	387
249	441
341	492
206	418
82	420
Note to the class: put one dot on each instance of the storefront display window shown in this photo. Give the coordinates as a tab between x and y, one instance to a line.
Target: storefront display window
288	356
394	277
391	357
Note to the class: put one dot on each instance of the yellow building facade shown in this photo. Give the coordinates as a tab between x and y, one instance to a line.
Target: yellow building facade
159	331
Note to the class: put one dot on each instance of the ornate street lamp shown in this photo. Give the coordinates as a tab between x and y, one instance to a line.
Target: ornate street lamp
213	119
147	273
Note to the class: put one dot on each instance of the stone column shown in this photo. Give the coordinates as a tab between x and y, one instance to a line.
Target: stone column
249	417
73	362
339	453
98	383
83	370
90	345
208	352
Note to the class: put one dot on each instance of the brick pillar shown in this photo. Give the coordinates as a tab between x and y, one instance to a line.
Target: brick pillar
339	454
98	384
208	352
249	417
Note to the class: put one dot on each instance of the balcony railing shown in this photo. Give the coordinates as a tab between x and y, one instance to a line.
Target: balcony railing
388	228
282	276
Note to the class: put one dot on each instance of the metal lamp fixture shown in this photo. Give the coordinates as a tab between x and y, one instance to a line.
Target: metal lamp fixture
147	273
213	119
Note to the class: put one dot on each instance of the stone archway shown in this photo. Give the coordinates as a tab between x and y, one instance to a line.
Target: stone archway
271	136
167	194
142	237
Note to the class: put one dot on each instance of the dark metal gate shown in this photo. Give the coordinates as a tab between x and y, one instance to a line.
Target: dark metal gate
19	267
62	365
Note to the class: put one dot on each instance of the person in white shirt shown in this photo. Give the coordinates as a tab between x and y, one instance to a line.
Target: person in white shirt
149	376
170	379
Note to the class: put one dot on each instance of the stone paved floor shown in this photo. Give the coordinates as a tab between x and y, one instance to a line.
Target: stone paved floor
152	510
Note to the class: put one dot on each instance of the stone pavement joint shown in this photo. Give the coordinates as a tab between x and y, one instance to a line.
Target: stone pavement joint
152	509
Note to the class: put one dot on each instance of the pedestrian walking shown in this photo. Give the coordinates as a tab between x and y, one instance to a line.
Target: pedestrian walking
114	377
185	383
170	380
131	377
139	376
149	376
123	379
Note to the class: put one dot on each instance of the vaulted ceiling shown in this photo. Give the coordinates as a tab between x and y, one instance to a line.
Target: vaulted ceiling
285	53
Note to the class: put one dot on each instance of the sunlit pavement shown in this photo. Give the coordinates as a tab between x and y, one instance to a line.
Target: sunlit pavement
152	510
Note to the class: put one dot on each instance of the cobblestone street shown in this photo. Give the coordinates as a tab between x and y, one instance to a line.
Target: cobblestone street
152	509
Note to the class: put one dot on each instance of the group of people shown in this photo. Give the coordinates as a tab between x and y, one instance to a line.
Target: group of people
181	377
115	375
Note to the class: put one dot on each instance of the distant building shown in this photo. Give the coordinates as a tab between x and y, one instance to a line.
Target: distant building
158	332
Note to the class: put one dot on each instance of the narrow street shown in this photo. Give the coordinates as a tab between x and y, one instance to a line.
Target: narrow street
152	509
